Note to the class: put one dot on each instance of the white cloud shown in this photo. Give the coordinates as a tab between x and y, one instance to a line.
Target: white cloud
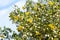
2	12
4	16
5	11
7	3
4	2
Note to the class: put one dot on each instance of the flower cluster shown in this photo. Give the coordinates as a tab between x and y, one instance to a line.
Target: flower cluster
20	28
39	21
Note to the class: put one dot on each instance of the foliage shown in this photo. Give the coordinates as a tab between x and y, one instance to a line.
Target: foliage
4	33
40	21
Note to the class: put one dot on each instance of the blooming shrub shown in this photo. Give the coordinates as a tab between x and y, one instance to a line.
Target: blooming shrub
39	22
4	33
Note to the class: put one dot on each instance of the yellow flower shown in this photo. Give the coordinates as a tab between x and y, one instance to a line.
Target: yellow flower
35	8
15	17
21	17
27	13
23	7
51	3
20	28
30	20
52	26
37	33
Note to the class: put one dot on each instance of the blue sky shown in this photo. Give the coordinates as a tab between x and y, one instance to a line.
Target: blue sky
6	6
7	3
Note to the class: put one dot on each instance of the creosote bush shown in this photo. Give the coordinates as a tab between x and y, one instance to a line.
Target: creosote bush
39	22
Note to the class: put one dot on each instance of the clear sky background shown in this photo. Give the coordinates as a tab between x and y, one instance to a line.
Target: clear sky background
6	6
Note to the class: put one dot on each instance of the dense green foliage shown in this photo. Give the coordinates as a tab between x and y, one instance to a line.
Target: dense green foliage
40	21
37	21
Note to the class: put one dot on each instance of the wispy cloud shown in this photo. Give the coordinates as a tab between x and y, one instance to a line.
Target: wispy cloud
7	3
